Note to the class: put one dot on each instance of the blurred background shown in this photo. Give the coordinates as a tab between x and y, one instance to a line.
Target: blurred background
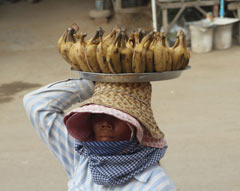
199	112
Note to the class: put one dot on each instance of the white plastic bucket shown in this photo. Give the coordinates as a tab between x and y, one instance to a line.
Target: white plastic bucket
201	39
223	37
223	32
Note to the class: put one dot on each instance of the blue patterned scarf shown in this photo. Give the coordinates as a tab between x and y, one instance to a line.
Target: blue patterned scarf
114	163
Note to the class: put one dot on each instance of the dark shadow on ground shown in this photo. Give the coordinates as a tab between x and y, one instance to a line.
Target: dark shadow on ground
7	91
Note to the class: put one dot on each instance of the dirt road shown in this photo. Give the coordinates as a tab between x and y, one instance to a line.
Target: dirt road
199	112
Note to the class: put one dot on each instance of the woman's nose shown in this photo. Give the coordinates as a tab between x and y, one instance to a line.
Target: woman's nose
106	125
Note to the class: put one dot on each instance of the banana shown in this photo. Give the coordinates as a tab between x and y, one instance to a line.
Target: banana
174	63
75	28
139	55
159	55
72	54
116	53
62	39
80	52
125	54
186	53
102	49
149	56
90	53
108	40
179	52
139	35
113	55
169	53
137	65
131	41
151	49
65	45
101	54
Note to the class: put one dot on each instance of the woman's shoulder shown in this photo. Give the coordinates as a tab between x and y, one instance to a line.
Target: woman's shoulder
156	179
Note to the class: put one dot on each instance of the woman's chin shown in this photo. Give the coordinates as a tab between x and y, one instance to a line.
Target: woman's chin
105	139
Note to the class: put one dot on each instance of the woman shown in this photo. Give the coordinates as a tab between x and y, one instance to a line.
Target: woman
111	142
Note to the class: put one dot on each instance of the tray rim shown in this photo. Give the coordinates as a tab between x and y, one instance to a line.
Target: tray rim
135	77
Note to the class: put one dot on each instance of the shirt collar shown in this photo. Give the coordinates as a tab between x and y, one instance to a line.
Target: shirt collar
144	177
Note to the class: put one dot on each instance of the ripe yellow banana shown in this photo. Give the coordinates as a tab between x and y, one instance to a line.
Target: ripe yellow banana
90	53
101	54
178	54
186	53
109	39
139	35
174	61
73	52
139	55
113	56
131	41
149	56
151	48
80	52
159	55
168	53
75	28
102	50
65	46
125	54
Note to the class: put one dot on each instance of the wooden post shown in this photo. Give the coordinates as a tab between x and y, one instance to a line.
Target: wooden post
238	12
118	7
165	20
215	10
154	17
176	17
118	4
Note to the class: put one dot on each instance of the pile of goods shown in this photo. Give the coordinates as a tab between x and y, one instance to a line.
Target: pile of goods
119	52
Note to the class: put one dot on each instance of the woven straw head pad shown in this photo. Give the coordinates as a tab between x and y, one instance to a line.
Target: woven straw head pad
131	98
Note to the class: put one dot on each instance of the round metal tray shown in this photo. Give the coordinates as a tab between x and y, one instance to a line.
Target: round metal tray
131	77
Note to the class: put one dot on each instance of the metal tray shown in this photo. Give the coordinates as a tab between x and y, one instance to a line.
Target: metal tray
131	77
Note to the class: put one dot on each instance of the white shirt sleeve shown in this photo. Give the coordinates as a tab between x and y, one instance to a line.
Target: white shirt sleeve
45	109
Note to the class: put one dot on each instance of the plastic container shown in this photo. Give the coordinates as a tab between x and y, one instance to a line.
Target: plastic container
223	37
223	32
99	5
201	36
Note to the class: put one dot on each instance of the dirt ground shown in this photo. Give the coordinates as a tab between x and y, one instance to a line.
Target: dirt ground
199	112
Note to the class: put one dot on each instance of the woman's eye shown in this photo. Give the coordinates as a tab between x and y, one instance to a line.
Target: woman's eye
104	118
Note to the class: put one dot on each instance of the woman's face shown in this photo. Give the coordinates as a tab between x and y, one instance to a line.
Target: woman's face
109	128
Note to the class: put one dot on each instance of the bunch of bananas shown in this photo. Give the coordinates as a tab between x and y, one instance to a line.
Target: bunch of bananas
119	52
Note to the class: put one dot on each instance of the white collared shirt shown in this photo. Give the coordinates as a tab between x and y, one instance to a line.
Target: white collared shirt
152	179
